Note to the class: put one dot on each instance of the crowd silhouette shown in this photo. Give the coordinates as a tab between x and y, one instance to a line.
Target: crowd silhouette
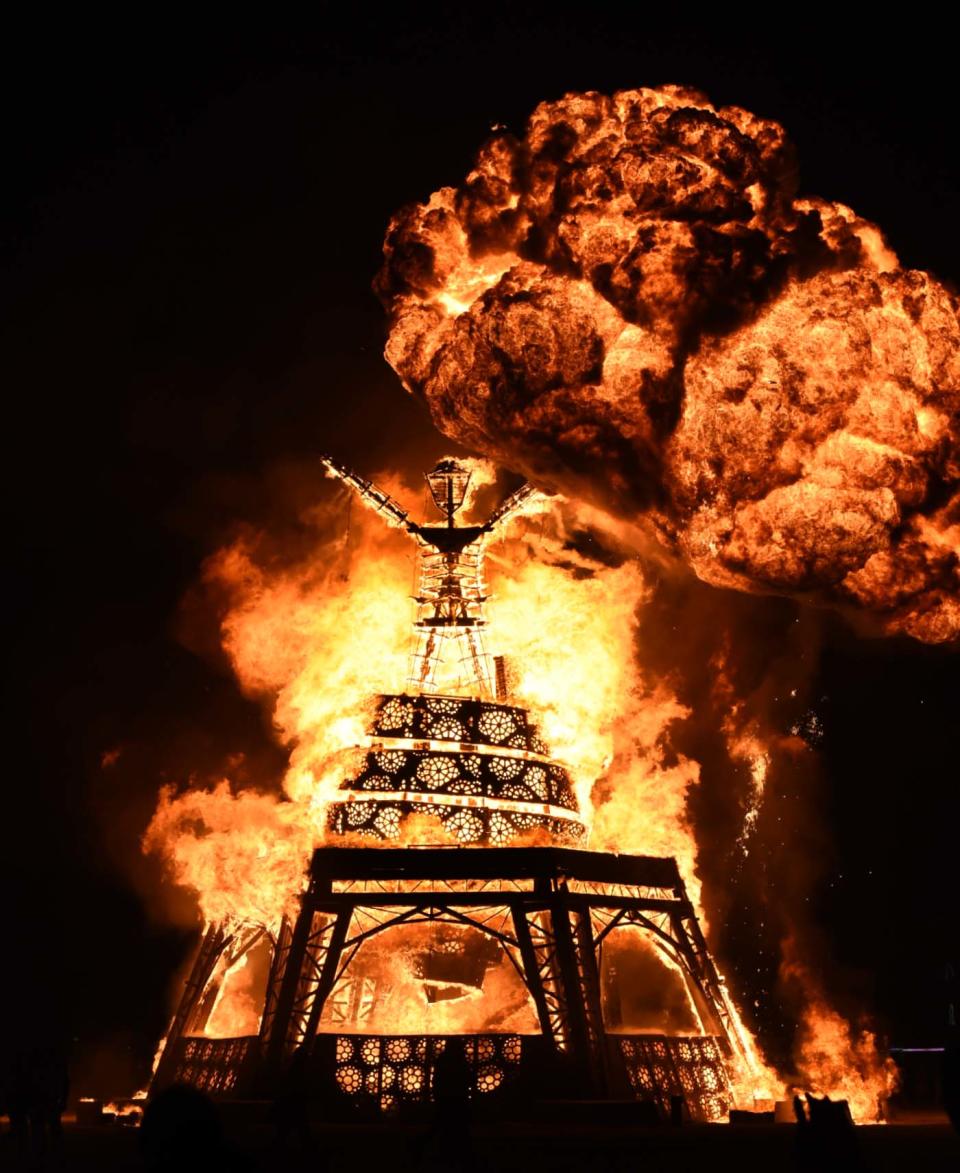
182	1128
34	1085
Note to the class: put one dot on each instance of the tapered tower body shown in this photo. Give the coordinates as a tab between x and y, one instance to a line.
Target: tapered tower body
454	906
452	746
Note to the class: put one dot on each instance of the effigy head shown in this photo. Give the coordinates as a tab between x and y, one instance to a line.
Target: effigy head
448	482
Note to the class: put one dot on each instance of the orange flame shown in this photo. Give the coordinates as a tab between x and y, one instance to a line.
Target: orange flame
317	637
837	1060
834	1057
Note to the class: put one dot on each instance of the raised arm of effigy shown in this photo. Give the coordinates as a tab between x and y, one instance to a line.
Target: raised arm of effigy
525	497
374	498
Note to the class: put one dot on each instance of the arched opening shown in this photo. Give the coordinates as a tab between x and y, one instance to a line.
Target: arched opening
643	990
433	978
232	1003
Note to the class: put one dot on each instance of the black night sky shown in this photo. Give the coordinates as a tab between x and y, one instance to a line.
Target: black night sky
193	218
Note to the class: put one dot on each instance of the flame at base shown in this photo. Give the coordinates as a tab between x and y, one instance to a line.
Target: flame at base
833	1057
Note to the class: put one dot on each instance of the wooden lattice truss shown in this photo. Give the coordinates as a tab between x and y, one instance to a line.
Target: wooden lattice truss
549	909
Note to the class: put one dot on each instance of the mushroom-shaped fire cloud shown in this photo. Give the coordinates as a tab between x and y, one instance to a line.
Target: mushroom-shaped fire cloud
631	304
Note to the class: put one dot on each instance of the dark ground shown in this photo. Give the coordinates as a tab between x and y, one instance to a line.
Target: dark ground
919	1147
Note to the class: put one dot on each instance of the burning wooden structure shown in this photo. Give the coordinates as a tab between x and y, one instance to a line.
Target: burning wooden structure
558	971
549	910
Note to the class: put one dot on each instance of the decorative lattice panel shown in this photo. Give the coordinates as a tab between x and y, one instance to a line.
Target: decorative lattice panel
440	772
215	1066
393	1070
457	719
660	1067
477	828
480	767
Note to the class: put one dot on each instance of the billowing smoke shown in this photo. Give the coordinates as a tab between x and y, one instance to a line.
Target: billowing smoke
630	303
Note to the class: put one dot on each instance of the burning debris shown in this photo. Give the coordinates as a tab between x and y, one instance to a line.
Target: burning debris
631	304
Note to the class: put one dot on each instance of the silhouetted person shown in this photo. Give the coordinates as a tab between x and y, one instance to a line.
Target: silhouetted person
181	1132
290	1106
950	1070
36	1095
448	1144
49	1084
19	1096
452	1080
950	1074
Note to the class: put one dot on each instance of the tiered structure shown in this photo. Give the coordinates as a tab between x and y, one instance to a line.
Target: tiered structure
452	745
480	766
564	972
